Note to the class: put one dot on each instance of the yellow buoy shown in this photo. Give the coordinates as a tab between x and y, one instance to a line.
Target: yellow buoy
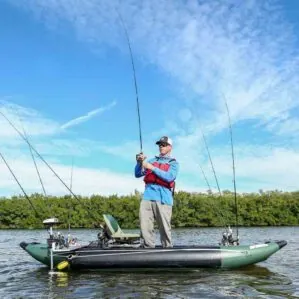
62	265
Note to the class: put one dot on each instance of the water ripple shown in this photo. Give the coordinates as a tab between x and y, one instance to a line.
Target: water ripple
23	277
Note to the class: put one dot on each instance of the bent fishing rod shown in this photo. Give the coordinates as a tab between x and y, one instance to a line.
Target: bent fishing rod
234	169
48	165
15	178
135	80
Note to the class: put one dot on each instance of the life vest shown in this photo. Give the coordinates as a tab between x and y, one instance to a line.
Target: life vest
151	178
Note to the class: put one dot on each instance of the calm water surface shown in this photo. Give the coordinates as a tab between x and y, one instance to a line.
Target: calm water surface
278	277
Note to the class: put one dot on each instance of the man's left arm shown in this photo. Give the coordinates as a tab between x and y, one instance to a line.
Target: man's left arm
169	175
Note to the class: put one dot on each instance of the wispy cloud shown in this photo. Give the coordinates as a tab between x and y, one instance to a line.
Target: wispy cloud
57	151
88	116
99	181
246	51
33	121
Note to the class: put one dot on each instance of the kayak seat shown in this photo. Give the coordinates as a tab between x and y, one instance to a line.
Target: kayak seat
115	231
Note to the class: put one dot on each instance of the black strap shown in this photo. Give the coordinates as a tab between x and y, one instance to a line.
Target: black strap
173	189
171	160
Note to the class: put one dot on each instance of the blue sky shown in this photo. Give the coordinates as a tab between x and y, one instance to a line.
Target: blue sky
66	77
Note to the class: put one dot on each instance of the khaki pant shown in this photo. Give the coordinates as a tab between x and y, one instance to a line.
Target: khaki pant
148	213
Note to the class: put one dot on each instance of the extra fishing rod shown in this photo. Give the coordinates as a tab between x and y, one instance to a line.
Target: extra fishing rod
211	162
228	237
47	164
205	178
34	161
218	211
35	165
27	197
135	80
72	169
234	169
71	187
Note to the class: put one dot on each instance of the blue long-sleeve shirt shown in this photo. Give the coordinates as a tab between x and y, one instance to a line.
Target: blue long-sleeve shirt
158	192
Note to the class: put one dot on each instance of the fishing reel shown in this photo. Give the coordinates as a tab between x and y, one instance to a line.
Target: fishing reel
56	239
103	236
228	239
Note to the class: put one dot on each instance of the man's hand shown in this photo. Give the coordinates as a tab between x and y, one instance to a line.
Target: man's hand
140	157
147	165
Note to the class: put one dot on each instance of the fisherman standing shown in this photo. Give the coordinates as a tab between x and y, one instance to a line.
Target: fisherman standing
159	174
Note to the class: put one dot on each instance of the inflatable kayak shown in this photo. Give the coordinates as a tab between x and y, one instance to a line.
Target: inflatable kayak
116	250
92	257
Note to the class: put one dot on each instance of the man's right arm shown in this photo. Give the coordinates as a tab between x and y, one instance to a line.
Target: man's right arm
139	170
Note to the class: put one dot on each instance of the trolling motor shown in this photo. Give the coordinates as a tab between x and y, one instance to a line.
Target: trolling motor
228	239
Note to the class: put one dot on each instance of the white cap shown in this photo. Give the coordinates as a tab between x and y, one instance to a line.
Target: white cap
165	139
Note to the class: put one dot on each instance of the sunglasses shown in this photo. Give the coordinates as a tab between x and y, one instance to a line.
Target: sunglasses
163	144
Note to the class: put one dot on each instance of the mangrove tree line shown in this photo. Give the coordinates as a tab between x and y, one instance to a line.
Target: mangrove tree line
273	208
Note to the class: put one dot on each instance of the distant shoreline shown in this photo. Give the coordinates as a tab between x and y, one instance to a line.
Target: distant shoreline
190	210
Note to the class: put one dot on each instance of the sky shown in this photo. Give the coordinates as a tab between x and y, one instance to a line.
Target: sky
67	82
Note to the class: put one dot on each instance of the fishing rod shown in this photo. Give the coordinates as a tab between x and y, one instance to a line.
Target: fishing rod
35	165
12	173
205	178
227	237
218	211
71	187
135	80
234	169
211	162
47	164
33	159
72	169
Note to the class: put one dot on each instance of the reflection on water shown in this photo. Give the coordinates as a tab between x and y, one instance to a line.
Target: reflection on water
23	277
208	283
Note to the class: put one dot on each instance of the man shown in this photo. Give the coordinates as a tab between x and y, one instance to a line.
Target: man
159	176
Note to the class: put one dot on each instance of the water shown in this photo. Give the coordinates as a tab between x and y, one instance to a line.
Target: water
278	277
